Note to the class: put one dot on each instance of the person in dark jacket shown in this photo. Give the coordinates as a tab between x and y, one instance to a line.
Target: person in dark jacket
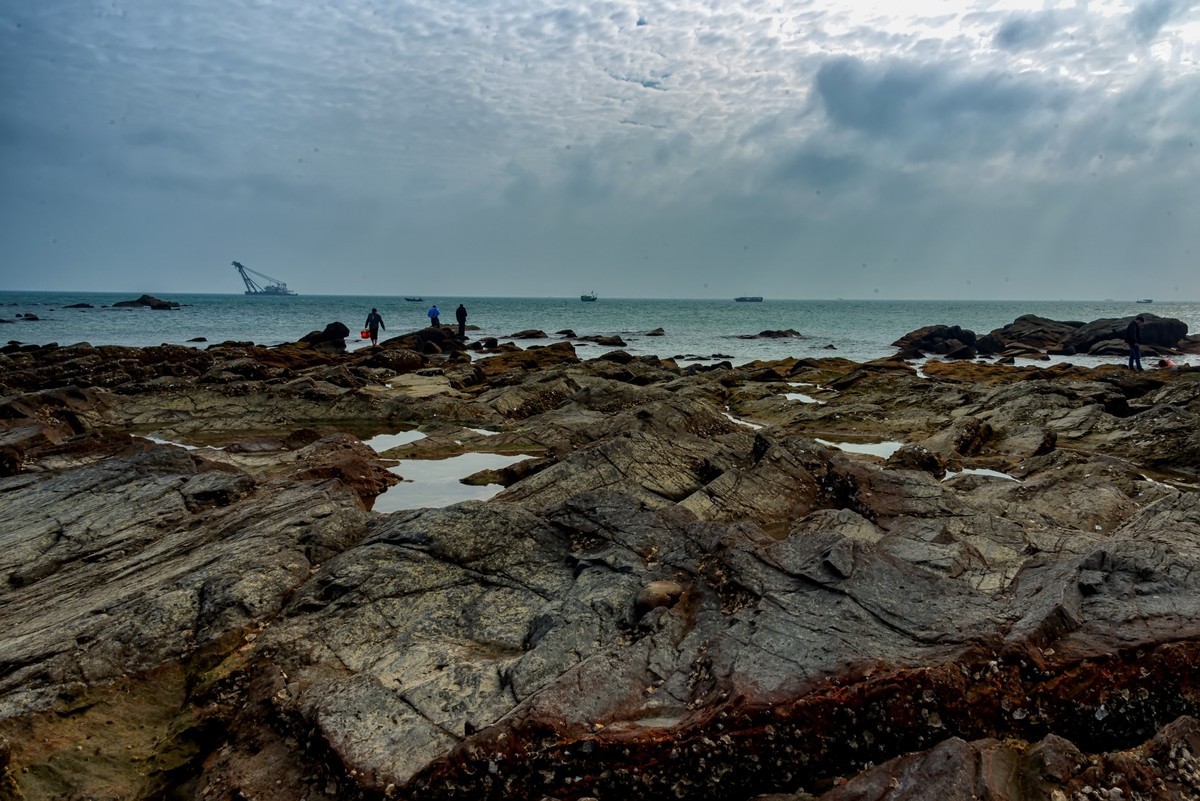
1133	337
373	324
460	314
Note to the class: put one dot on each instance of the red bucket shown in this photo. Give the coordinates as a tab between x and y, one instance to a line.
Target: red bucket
364	334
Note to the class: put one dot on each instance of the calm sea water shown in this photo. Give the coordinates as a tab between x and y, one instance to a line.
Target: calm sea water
859	330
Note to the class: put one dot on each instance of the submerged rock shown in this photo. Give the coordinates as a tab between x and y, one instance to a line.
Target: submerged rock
148	301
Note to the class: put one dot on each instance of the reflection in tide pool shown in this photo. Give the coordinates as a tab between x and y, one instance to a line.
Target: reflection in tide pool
434	483
979	471
158	441
881	449
385	442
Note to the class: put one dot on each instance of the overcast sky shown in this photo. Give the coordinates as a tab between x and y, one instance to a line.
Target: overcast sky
686	148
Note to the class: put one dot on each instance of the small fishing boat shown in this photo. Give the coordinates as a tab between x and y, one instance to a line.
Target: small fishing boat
1146	300
588	298
749	299
415	300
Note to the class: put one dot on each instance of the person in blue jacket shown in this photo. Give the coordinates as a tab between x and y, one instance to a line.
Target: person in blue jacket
435	316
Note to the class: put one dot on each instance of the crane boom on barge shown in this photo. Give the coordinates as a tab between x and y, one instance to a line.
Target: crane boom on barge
273	286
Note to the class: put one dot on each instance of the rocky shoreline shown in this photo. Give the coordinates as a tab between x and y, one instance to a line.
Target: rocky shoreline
694	587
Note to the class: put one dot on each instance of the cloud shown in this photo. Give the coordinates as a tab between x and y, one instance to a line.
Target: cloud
1149	17
935	111
526	137
166	140
1026	32
816	170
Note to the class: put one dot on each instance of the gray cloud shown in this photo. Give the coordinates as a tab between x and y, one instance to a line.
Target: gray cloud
935	112
818	170
526	144
1026	32
1150	16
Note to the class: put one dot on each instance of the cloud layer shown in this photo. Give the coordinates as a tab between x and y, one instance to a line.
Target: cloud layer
690	149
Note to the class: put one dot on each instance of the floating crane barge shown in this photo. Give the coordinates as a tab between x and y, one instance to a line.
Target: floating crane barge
273	287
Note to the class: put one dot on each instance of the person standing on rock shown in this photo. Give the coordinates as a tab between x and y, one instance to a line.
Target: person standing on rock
1133	337
435	316
460	314
373	324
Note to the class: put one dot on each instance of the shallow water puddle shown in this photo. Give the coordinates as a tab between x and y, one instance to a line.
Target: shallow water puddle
435	482
186	447
800	396
740	422
881	449
979	471
660	722
385	442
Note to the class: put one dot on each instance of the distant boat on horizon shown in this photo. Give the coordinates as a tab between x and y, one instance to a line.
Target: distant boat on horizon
749	299
588	298
1146	300
415	300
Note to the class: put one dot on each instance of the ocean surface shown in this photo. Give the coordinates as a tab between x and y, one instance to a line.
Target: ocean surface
700	330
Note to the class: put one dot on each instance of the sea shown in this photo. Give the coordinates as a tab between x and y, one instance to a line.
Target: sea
702	331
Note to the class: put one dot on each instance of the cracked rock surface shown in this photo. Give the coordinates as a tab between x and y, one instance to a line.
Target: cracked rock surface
663	602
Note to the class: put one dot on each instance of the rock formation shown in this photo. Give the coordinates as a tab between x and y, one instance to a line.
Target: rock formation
694	587
148	301
1030	336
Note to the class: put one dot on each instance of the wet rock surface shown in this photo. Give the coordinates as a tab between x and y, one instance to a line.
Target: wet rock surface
1030	336
694	588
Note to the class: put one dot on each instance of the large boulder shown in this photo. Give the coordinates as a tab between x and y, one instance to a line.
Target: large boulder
431	341
1031	331
1160	331
333	336
937	339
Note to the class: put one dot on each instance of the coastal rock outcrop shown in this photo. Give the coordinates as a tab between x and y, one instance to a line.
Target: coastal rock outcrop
149	302
695	586
1030	336
332	336
786	333
1156	331
606	340
937	339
